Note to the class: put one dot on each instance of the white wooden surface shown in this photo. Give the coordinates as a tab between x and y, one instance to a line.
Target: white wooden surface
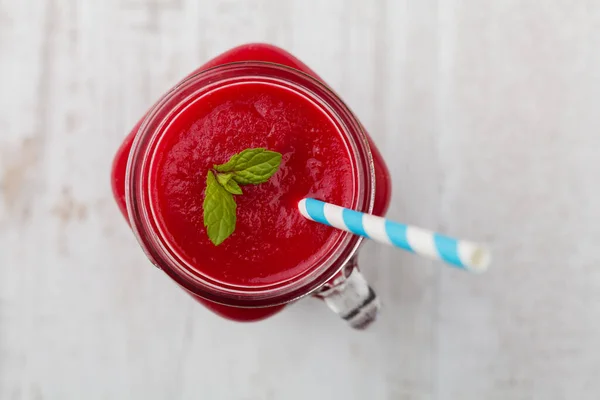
487	112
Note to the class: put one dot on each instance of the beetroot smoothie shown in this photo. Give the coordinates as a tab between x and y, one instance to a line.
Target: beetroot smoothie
273	247
272	242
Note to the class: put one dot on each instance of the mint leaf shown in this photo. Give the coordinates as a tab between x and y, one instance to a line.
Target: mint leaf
252	166
229	184
219	211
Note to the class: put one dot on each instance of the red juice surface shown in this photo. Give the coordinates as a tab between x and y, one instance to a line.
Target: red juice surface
272	242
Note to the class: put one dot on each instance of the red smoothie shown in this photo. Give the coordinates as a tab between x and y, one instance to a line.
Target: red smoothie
272	242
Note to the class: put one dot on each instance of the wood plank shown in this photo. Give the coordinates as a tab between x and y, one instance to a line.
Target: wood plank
518	118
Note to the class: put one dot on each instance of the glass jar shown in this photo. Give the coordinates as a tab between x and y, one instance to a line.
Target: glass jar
335	277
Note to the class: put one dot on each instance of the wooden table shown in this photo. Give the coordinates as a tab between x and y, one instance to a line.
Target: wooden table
487	113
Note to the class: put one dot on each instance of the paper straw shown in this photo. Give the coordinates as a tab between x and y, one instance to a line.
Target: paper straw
459	253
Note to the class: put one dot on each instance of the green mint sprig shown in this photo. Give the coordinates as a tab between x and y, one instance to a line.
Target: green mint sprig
251	166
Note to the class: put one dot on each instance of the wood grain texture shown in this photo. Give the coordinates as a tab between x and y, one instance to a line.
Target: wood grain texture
486	113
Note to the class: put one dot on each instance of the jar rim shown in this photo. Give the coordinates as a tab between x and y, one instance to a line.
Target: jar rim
138	201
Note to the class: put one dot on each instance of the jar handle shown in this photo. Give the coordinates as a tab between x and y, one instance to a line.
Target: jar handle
350	296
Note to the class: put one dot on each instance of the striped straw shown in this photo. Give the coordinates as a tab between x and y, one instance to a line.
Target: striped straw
459	253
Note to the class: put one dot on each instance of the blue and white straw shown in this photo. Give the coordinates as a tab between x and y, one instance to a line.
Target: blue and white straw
459	253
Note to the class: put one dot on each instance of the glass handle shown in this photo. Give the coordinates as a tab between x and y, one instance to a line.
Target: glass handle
351	297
